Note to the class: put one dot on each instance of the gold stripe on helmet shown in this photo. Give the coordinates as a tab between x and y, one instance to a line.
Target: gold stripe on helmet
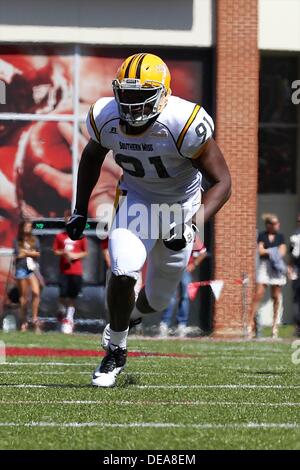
139	66
93	123
126	73
187	126
133	66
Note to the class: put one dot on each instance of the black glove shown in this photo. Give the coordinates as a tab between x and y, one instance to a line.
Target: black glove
76	225
180	236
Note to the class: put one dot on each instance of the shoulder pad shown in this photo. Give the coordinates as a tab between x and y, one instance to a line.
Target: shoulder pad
99	114
190	125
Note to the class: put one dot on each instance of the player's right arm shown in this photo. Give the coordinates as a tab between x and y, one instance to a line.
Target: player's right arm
92	158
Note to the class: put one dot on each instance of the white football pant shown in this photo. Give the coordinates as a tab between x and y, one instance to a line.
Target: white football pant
131	242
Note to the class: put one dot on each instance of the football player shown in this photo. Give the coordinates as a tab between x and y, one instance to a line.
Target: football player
164	145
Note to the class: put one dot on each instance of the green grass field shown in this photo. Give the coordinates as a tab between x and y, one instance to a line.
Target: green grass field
227	395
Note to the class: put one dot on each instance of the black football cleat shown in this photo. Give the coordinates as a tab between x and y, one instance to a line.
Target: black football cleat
111	366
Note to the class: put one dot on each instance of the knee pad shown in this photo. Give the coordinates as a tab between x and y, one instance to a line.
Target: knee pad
127	253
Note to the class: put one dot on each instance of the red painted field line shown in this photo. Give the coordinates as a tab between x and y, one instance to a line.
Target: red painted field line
50	352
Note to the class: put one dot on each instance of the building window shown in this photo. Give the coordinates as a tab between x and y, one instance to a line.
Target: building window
278	126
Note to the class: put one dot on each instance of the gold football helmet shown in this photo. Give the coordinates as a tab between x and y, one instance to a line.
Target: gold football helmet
141	88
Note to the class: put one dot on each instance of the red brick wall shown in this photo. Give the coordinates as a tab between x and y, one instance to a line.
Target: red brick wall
236	133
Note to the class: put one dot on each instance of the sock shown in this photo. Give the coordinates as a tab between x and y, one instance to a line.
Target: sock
118	339
70	313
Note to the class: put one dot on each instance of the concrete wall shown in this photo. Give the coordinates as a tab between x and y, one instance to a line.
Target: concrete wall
278	22
159	22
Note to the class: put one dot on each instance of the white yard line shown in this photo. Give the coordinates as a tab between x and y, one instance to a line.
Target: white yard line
78	364
148	402
257	375
231	386
155	358
154	425
177	386
77	372
238	349
254	368
91	364
220	357
14	372
24	386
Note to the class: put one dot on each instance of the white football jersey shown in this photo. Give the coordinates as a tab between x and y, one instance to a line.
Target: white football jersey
157	164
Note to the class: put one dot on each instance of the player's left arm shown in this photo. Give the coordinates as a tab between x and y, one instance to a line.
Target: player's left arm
213	167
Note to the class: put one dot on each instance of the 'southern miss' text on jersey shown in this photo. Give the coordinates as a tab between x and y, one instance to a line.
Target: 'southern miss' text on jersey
157	164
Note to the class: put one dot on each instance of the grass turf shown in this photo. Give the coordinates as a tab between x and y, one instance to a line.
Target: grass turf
229	395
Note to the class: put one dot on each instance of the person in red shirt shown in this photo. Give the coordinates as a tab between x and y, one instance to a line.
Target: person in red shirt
105	252
71	253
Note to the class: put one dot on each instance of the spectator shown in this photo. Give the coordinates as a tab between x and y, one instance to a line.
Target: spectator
196	258
71	252
271	271
294	272
26	252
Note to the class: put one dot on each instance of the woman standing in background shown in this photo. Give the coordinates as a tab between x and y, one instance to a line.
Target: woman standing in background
27	251
271	270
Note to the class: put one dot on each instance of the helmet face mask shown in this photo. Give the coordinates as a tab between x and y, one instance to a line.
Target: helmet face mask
141	88
137	104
